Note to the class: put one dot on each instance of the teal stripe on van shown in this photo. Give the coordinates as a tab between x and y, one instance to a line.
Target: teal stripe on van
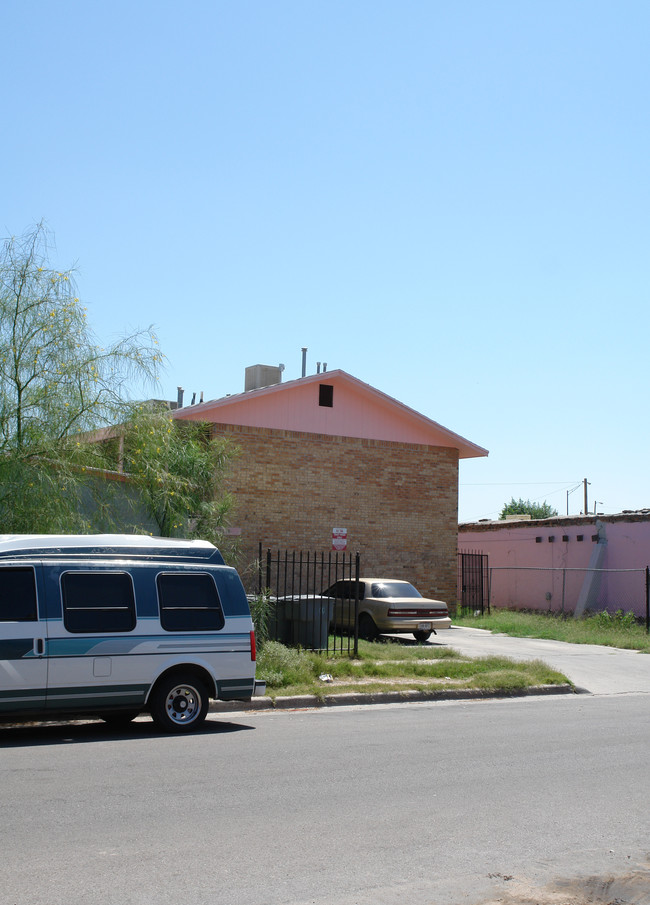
110	646
90	697
22	694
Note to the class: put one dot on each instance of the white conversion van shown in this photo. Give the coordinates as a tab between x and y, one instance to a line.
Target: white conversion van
113	625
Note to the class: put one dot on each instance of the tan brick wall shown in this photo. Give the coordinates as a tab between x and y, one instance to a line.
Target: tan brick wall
399	502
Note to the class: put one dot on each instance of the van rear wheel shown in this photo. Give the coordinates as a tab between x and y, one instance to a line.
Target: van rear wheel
179	703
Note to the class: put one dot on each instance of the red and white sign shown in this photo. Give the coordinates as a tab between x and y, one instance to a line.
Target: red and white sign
339	538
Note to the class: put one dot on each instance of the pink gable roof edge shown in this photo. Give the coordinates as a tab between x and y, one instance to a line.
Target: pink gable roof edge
359	410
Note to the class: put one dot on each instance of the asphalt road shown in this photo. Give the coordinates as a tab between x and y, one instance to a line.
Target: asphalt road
430	804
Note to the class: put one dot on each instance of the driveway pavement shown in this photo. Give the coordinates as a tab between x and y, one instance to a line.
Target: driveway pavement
600	670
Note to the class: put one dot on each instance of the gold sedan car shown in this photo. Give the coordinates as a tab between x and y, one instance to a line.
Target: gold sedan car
386	606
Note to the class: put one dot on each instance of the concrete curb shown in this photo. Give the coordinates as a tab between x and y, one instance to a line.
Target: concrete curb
300	702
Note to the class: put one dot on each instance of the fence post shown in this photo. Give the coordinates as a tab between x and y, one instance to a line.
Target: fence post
356	605
489	588
647	600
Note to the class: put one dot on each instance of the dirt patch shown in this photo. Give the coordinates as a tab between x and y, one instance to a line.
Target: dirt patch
630	889
394	680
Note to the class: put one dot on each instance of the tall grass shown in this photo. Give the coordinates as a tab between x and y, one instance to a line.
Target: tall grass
609	629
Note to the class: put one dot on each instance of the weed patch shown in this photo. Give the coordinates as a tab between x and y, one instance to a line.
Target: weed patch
288	671
609	629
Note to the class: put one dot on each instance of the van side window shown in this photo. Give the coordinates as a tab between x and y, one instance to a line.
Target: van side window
98	602
189	602
17	595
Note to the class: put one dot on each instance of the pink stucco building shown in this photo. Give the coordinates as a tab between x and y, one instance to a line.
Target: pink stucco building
565	564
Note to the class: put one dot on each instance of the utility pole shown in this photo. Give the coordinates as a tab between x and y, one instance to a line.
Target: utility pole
585	483
567	496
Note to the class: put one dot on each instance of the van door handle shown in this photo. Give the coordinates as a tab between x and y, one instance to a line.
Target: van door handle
40	647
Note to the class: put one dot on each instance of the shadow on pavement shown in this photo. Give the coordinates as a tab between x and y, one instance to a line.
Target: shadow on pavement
29	735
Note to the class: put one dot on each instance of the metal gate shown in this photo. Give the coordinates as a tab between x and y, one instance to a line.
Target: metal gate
301	612
473	583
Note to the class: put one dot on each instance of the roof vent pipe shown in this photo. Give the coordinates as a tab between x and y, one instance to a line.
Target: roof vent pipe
193	398
318	367
304	361
201	398
324	366
179	397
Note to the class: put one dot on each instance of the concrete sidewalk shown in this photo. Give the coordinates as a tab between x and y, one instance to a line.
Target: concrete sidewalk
591	667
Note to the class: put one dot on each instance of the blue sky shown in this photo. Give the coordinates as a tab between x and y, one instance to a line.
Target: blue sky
448	200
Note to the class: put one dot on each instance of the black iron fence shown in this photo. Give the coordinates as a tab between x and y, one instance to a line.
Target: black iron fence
473	583
313	599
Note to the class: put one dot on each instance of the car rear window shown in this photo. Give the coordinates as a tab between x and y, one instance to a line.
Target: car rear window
383	589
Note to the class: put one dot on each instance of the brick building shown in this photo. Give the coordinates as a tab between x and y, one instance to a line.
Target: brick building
329	451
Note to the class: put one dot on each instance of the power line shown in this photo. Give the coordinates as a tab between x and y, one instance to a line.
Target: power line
518	483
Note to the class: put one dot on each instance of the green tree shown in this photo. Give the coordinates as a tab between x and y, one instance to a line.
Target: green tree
526	507
56	382
179	470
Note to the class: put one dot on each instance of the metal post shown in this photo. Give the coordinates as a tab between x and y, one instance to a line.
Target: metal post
647	600
356	605
489	588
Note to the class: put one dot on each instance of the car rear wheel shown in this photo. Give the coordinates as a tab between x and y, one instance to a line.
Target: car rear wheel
367	628
179	704
421	637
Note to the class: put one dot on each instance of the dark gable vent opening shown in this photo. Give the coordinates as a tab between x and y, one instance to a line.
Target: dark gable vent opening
326	395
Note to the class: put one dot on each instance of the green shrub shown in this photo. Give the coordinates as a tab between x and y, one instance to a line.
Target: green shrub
280	666
261	611
618	620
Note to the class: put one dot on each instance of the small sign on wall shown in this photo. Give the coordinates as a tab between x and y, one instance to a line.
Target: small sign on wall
339	538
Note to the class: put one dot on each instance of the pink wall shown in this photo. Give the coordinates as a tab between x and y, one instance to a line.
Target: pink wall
524	571
358	411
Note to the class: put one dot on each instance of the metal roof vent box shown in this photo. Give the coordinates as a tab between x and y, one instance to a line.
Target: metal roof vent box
258	376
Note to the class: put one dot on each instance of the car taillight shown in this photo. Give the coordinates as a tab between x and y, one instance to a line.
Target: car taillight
253	648
418	614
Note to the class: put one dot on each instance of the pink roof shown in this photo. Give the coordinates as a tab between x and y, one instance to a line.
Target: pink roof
358	410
